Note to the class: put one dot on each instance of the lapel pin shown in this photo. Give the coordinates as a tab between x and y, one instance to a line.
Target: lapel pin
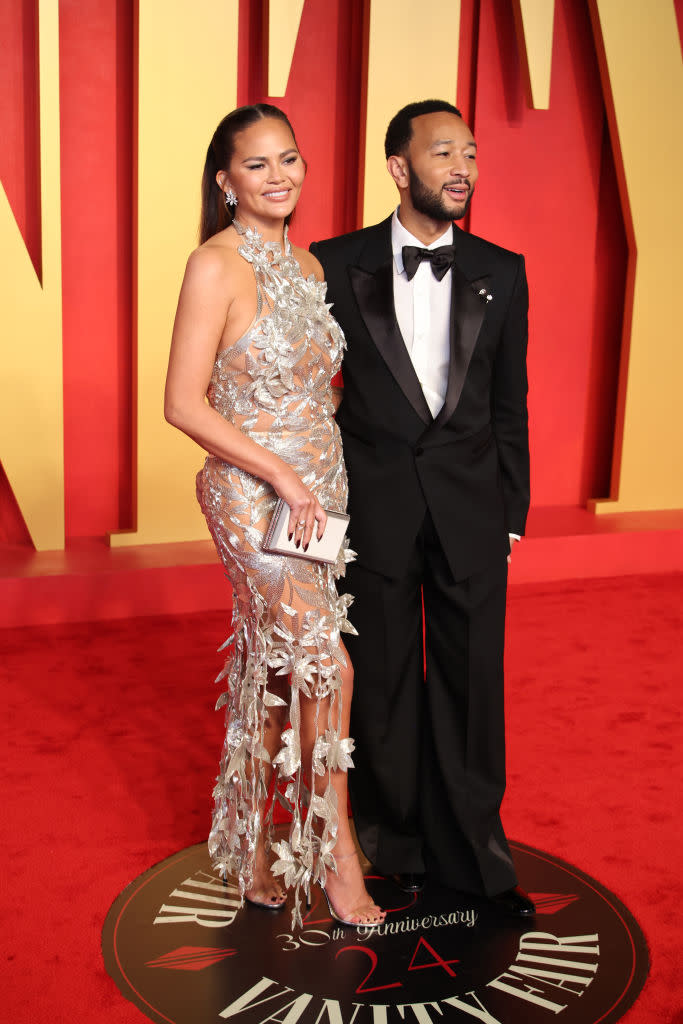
485	295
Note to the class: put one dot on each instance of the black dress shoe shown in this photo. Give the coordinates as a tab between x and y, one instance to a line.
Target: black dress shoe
515	902
410	881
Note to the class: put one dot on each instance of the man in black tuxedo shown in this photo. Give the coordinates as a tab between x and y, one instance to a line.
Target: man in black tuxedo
434	425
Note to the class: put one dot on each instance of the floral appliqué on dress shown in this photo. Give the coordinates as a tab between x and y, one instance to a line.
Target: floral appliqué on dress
274	385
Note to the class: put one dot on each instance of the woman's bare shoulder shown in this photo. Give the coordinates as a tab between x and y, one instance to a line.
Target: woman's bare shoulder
308	263
217	261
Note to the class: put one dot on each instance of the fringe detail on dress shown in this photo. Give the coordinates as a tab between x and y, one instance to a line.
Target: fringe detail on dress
305	648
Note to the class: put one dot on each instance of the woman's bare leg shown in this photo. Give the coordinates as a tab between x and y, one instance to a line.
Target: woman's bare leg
266	890
345	887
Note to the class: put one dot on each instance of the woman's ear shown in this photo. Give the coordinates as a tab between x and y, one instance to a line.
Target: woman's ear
222	180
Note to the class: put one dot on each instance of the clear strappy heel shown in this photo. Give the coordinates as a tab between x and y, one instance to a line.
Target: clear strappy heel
360	912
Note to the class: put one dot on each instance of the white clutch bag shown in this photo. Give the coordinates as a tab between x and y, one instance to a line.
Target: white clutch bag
277	542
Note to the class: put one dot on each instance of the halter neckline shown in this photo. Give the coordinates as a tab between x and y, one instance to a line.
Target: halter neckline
254	239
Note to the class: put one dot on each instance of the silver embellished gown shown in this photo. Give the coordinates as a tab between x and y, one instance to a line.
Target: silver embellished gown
274	385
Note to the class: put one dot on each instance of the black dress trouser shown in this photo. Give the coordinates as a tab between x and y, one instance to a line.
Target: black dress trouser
428	721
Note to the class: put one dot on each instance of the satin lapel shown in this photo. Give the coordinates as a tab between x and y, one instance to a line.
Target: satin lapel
374	293
467	315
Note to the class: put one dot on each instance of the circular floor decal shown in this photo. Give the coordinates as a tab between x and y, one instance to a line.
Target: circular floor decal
177	946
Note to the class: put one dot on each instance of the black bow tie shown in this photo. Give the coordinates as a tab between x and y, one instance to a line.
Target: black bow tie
441	259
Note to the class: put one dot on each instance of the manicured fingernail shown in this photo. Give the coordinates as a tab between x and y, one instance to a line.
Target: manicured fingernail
306	547
290	535
297	544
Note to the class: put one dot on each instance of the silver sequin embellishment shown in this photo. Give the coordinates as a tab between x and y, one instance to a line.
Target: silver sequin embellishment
274	385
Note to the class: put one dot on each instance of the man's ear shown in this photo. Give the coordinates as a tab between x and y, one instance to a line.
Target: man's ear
398	169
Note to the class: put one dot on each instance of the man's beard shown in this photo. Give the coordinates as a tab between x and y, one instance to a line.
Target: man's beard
432	204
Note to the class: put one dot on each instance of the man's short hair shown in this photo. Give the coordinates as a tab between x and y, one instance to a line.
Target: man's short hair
400	130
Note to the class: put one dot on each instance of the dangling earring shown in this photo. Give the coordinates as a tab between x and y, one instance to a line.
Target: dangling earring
230	197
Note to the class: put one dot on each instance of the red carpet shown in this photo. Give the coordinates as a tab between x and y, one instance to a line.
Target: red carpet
112	742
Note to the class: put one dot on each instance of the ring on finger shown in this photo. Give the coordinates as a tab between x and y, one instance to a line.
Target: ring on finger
302	522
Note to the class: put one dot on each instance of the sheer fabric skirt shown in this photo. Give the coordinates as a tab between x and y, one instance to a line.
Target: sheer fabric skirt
284	650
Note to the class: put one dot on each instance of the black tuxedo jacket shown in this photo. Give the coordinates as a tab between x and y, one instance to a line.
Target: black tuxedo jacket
470	465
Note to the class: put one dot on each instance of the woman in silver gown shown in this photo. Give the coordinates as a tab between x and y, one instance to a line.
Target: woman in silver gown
253	335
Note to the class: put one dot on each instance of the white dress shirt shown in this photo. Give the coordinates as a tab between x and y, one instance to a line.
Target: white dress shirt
423	311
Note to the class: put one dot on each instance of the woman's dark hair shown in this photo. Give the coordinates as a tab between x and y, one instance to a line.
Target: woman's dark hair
400	130
215	215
